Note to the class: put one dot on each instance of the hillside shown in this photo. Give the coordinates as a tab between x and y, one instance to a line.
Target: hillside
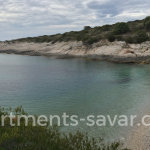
121	42
132	32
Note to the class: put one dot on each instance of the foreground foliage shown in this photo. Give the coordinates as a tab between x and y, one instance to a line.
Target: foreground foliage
44	138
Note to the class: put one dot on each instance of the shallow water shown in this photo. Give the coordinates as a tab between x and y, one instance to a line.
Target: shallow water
49	86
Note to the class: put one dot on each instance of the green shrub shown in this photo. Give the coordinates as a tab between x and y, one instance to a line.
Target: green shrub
105	27
138	21
44	138
66	39
87	27
119	37
141	37
84	39
43	40
129	40
79	38
64	35
147	25
121	28
92	41
37	40
83	32
111	37
146	20
81	35
138	27
97	28
49	40
89	40
99	37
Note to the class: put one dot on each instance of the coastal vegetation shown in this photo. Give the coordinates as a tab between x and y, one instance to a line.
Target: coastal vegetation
44	138
132	32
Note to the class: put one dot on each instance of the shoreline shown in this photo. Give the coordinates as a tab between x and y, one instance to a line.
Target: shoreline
139	139
105	51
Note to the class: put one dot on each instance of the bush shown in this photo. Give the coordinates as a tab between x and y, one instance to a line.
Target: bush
138	21
87	27
89	40
43	40
66	39
97	28
111	37
119	37
44	138
146	20
79	38
37	40
138	27
147	25
129	40
121	28
105	27
84	39
84	32
92	41
141	37
49	40
81	35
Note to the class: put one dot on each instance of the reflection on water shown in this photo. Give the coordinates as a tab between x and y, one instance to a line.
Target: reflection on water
75	86
121	81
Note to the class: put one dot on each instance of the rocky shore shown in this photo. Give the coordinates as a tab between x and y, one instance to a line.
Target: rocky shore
117	51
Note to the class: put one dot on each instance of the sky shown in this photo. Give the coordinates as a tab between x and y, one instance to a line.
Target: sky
28	18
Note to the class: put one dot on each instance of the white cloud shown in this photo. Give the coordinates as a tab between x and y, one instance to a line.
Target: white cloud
21	18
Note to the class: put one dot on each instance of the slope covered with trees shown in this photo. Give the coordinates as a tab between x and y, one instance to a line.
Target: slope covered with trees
132	32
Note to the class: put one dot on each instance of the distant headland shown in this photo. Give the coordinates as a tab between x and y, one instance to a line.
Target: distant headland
121	42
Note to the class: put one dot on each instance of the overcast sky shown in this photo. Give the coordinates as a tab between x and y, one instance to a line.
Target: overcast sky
24	18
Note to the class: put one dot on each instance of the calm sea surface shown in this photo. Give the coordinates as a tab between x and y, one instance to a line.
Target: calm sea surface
49	86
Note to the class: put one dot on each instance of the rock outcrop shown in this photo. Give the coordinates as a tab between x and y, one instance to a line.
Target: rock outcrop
117	51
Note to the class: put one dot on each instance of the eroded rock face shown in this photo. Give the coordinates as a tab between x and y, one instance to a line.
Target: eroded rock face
104	50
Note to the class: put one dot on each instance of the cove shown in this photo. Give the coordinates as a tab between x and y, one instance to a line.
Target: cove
50	86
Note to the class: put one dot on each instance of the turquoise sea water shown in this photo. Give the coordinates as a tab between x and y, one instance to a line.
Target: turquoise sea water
50	86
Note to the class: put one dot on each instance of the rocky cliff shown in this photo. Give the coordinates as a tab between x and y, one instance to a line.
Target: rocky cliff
109	51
